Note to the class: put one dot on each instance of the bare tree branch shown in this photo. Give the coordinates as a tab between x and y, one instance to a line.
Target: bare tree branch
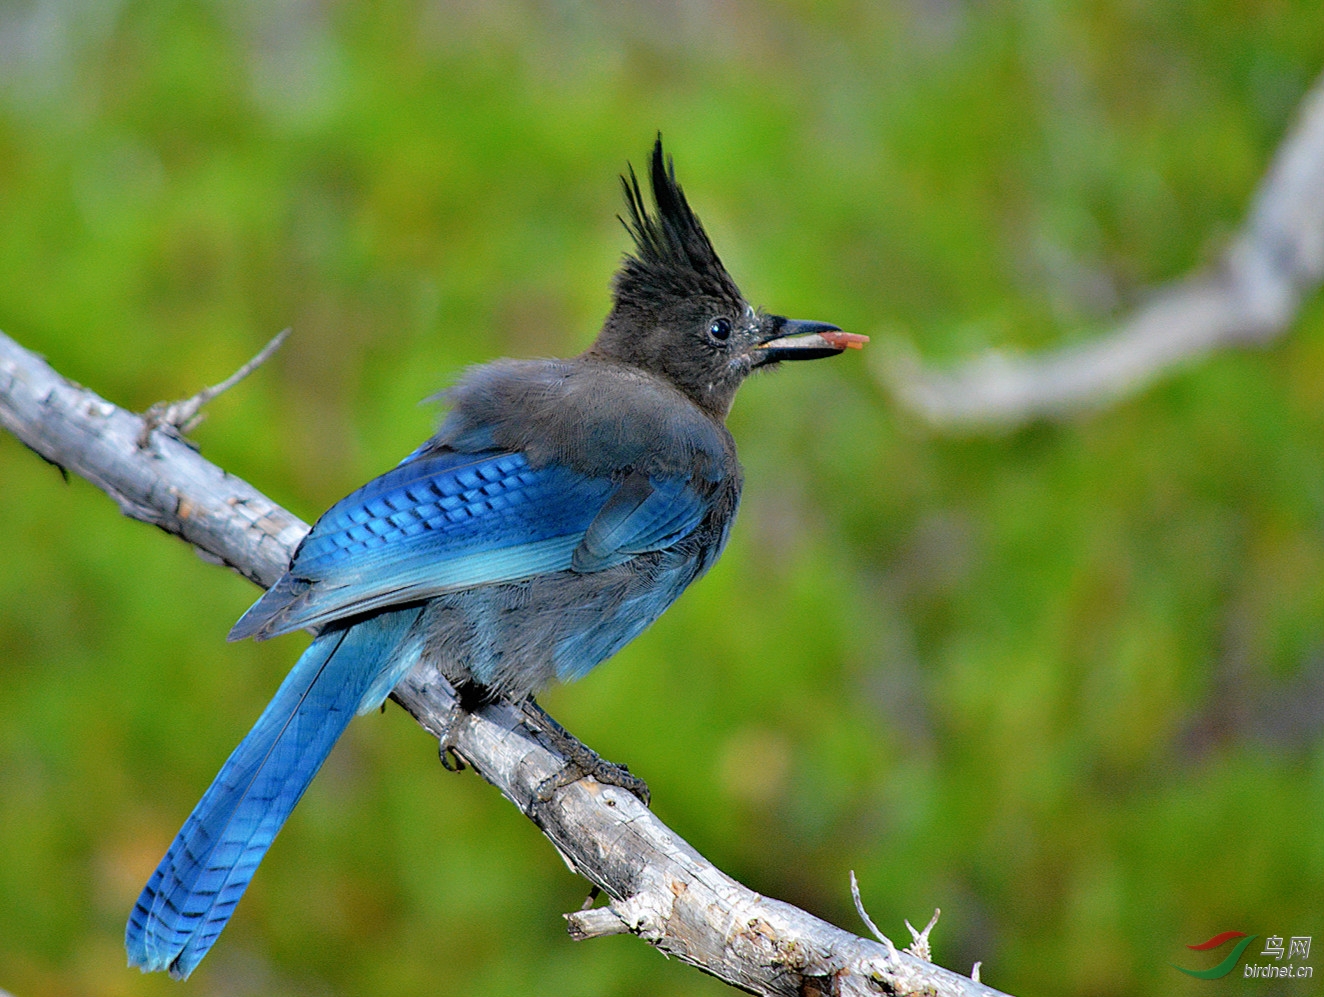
658	887
1251	297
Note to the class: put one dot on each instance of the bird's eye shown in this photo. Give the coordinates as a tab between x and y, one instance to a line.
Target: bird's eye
720	330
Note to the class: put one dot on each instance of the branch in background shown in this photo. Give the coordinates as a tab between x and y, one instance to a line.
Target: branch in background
658	887
1250	297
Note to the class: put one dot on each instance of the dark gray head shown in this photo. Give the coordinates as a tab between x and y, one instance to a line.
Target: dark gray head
677	313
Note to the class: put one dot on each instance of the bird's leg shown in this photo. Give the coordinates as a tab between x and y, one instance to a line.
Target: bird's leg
469	696
581	761
450	760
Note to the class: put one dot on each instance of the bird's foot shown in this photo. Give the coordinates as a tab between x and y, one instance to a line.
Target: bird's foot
592	765
581	761
469	697
450	759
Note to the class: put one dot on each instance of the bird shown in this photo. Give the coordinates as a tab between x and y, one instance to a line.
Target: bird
558	510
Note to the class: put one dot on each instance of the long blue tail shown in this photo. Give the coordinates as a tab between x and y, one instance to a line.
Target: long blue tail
193	892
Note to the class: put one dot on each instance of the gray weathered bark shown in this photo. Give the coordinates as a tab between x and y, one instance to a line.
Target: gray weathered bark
658	886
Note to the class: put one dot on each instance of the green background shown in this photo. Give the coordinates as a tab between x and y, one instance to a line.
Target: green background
1066	683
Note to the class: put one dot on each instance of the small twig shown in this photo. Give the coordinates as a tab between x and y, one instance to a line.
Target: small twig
864	915
184	415
596	922
919	940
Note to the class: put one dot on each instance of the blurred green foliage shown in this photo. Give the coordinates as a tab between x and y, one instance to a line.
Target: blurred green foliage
1066	683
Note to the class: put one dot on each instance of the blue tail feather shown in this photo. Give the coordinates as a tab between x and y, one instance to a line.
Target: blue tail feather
193	892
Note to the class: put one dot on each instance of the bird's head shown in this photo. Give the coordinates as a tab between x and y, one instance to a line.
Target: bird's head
678	314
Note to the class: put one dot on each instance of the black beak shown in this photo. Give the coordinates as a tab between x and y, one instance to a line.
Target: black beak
793	339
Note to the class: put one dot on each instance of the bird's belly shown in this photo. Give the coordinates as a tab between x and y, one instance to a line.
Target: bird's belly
516	637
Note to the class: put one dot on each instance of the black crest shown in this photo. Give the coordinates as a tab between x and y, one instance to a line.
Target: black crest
673	254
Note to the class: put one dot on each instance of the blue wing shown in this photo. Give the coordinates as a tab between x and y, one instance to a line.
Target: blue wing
444	521
643	514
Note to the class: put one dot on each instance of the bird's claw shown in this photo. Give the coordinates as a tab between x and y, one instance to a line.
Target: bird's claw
599	770
449	757
581	761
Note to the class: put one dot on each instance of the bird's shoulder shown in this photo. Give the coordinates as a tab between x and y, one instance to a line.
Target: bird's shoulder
597	418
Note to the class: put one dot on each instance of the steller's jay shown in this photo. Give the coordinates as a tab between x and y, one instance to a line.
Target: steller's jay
559	509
